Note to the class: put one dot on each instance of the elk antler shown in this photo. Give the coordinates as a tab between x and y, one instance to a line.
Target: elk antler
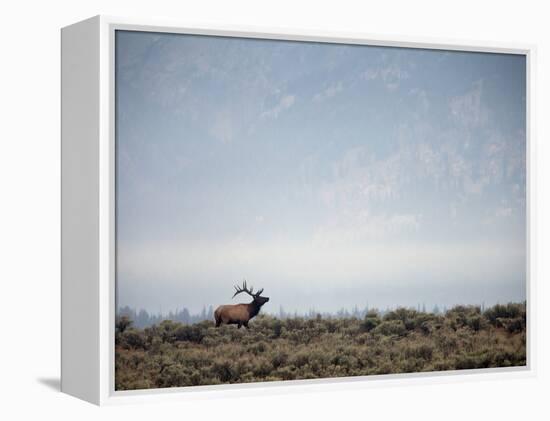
245	289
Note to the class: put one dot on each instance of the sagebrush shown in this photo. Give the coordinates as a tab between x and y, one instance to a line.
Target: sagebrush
401	341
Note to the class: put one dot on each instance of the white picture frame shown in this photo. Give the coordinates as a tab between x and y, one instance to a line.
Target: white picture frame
88	212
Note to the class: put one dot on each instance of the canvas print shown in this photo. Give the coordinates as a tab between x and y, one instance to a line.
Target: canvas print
308	210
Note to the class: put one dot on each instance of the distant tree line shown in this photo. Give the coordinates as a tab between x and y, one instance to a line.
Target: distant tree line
142	318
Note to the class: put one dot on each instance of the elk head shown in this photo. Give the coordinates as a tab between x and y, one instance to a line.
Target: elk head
258	300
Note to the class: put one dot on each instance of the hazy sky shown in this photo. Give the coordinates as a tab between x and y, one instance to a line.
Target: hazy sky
330	175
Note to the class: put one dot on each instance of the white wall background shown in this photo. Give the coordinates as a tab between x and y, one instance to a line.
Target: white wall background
29	215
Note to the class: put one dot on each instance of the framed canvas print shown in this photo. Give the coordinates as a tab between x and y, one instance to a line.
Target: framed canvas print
243	210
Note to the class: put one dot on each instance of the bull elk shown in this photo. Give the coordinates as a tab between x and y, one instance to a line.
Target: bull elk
240	314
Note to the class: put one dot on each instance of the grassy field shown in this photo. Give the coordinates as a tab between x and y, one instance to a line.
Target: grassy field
401	341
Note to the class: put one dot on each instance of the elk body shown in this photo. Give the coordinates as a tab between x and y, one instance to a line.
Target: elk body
240	314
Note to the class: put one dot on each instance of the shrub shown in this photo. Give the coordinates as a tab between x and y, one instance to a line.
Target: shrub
504	311
423	351
474	322
123	323
370	322
279	359
192	333
391	327
515	325
135	339
277	328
